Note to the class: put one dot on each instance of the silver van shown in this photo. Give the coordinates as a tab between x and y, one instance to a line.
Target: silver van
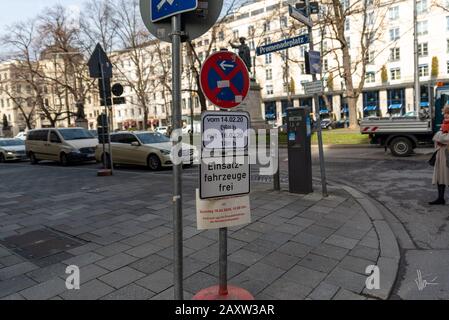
64	145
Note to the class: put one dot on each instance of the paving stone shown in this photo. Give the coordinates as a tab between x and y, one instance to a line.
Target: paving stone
245	235
144	250
10	260
285	289
122	277
91	290
305	276
350	232
117	261
234	269
45	290
324	291
84	259
300	221
14	296
169	294
198	242
330	251
289	228
159	231
47	273
199	281
245	257
90	272
130	292
295	249
276	237
112	249
319	231
16	270
365	253
262	272
308	239
157	281
347	279
355	264
151	263
347	295
318	263
16	284
137	240
262	247
280	260
340	241
260	227
168	252
88	247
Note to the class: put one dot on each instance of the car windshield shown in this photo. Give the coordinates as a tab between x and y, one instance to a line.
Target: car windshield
11	142
76	134
149	138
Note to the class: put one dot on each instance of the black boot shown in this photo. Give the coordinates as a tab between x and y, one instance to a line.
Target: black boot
440	200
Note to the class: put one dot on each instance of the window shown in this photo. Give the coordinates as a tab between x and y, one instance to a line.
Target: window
284	22
422	28
302	50
269	74
447	45
423	70
394	34
268	58
447	67
251	31
370	57
421	6
423	49
347	24
395	54
447	23
345	4
221	36
235	34
394	13
270	89
325	65
395	73
267	41
266	26
54	137
371	18
370	77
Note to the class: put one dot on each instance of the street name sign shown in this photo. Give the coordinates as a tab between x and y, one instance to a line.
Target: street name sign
314	87
163	9
282	45
225	79
195	22
298	14
225	130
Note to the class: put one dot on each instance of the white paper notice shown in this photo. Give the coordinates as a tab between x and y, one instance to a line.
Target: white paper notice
222	212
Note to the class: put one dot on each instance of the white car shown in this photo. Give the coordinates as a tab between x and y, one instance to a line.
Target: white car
162	130
21	135
12	150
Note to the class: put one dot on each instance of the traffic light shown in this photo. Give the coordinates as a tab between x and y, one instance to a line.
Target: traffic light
105	96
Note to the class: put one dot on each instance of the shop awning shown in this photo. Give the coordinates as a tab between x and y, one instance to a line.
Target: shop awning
424	104
395	106
370	108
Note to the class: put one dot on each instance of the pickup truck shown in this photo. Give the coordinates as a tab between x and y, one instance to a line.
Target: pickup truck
403	134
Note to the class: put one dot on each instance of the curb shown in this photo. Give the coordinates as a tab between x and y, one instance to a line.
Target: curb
390	257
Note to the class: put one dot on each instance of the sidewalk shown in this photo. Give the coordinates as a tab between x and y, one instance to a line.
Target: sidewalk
118	231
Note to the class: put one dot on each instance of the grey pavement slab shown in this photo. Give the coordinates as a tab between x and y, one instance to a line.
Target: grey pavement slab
318	263
330	251
45	290
83	259
341	241
280	260
348	280
157	281
305	276
285	289
121	277
324	291
91	290
245	257
117	261
343	294
131	292
16	270
14	285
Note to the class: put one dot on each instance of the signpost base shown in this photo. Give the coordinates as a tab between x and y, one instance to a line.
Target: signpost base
104	173
213	293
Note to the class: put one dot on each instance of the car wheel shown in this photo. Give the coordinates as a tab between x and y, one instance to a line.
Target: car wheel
2	158
401	147
33	159
154	163
64	160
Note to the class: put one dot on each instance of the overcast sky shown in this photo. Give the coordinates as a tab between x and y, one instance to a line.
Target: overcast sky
19	10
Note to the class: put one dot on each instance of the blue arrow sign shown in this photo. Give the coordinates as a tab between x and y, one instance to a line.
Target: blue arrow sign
162	9
282	45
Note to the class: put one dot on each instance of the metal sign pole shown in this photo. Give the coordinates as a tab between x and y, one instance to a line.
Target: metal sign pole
177	168
223	261
106	114
317	112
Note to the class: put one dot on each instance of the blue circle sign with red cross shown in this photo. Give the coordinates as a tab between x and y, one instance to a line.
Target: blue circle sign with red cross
225	79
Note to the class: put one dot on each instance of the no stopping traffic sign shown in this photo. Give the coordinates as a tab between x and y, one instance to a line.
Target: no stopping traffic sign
225	79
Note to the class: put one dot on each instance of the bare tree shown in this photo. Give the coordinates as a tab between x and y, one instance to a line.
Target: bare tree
26	45
135	41
352	56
